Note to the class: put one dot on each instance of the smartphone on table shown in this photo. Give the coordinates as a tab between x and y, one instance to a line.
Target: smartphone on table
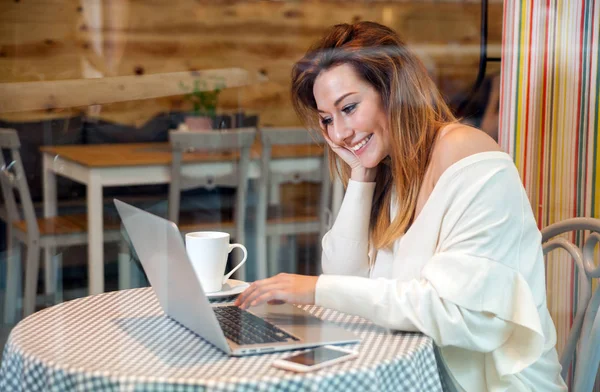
316	358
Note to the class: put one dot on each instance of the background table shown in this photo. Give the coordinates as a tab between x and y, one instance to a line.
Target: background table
104	165
122	341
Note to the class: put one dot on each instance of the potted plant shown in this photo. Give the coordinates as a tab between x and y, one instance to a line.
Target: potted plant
204	104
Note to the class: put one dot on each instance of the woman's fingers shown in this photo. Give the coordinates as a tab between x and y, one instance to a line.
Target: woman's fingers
272	295
280	288
257	289
244	294
241	299
267	292
347	156
253	287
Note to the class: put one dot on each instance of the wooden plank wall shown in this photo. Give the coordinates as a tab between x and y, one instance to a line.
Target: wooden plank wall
70	39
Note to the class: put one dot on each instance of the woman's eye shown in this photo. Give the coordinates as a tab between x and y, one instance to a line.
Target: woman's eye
325	121
349	109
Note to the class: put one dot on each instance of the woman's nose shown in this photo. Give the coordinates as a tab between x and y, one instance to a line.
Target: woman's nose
342	133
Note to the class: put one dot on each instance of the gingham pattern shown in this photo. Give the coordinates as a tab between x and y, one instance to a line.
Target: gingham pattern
122	341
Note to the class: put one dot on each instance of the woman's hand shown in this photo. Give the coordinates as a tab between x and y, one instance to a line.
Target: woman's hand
296	289
358	171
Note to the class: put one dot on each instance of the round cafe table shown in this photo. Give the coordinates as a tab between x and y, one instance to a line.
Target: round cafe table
122	341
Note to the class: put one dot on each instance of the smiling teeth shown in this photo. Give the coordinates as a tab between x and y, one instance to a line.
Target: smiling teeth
362	143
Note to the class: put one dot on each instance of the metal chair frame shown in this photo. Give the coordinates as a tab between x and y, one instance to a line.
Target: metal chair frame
237	141
13	179
271	178
584	336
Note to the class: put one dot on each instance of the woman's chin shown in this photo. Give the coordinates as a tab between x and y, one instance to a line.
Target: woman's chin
370	162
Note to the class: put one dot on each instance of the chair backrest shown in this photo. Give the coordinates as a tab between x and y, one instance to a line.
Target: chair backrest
293	136
585	330
12	178
235	142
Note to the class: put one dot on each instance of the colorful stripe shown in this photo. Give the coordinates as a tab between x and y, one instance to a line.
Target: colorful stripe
550	122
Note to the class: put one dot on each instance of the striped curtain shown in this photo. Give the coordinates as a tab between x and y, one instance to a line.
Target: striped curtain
549	122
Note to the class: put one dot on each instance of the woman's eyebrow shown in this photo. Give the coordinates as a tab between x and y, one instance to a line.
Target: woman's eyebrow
337	101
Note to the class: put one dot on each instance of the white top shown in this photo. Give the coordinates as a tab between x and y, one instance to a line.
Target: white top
469	272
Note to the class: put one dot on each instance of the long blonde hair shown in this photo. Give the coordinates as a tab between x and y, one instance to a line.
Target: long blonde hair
415	109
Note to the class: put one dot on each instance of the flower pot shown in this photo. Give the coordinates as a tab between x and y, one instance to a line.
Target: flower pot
198	123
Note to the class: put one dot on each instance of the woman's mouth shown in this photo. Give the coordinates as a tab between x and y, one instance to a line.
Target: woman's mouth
360	146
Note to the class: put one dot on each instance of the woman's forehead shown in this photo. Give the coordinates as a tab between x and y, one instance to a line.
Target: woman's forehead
337	81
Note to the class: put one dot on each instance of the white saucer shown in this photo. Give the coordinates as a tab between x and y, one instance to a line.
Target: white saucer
231	287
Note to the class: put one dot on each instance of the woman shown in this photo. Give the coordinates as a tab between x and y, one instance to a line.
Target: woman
435	233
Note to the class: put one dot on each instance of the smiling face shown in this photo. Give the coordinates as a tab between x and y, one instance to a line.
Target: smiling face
352	114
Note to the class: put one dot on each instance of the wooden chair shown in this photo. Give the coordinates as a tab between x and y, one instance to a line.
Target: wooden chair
35	233
237	144
584	336
273	218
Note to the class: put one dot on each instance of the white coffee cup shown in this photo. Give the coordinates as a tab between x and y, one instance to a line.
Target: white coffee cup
208	252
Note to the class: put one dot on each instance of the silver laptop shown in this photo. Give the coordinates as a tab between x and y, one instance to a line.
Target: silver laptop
265	328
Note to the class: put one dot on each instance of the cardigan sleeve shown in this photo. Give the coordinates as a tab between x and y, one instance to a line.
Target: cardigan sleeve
471	294
346	245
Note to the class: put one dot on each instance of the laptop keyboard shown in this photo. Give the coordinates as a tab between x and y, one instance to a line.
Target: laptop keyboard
243	327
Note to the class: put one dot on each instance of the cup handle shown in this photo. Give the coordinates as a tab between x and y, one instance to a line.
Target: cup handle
231	247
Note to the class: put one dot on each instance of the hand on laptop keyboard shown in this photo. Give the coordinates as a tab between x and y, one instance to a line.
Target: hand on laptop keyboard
292	288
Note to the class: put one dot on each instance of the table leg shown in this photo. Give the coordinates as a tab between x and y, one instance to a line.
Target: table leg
274	242
125	266
95	236
274	193
49	178
13	276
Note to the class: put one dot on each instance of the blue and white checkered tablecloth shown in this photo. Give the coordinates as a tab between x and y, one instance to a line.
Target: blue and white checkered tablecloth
122	341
